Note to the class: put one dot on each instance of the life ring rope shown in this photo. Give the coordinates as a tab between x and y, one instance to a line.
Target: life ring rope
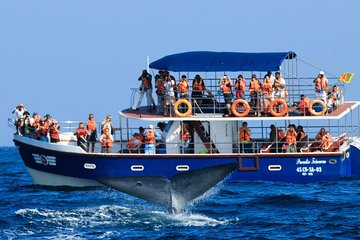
284	108
176	108
234	110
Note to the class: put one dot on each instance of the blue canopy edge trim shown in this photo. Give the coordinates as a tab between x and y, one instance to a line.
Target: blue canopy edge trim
206	61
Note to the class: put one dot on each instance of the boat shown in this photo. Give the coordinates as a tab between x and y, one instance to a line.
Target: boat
178	173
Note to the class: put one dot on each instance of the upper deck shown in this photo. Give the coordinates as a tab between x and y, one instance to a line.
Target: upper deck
155	115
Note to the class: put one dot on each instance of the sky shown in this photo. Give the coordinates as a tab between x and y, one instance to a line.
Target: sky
70	58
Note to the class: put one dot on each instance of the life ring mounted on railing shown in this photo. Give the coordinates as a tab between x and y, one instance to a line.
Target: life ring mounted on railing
284	108
235	111
312	110
176	108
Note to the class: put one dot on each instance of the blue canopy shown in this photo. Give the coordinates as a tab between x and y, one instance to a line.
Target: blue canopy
204	61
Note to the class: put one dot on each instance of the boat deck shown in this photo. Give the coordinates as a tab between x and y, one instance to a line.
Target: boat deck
143	113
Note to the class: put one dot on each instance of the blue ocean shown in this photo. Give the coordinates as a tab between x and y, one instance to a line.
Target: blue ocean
232	210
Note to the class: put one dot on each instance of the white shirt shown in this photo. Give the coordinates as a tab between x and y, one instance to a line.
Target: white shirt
169	86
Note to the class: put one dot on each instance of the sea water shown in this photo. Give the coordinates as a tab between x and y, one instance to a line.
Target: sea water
232	210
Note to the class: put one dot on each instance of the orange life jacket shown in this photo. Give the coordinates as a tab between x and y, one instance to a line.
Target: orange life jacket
54	133
304	105
225	87
280	134
198	86
291	137
254	86
266	88
150	136
240	85
133	146
106	141
185	136
81	132
91	125
244	135
183	86
321	84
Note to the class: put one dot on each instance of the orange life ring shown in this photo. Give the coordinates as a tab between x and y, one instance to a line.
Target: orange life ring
284	109
317	101
176	108
236	103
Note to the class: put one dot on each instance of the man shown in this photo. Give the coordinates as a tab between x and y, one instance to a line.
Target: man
321	86
244	138
279	86
150	142
303	106
107	124
145	88
81	134
169	94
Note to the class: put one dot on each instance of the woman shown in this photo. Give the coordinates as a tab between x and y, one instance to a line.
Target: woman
267	93
92	134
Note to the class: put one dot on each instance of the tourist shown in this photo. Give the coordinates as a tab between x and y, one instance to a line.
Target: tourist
245	139
303	107
81	134
54	131
160	90
321	85
150	142
290	138
92	133
107	124
169	95
19	112
145	88
267	94
134	143
279	87
225	86
198	88
240	87
184	138
255	88
106	140
183	87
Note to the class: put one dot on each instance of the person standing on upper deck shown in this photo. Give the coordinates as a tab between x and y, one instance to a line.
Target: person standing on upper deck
321	86
279	87
255	88
183	87
169	94
225	86
240	87
145	88
198	88
267	94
